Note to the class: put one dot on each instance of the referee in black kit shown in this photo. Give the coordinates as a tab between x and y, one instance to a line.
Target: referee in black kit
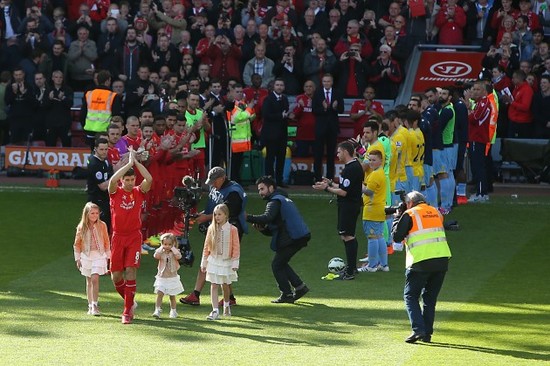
349	201
99	173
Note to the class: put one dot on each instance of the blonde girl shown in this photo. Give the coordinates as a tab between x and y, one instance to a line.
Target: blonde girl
220	258
167	279
92	248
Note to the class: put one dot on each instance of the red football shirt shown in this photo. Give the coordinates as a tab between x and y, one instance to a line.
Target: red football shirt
305	117
113	155
126	210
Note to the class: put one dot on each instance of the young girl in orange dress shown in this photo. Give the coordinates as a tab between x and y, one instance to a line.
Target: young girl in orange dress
220	258
92	248
167	279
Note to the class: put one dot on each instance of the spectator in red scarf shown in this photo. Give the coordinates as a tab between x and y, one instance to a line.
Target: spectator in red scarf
389	19
352	69
353	36
499	15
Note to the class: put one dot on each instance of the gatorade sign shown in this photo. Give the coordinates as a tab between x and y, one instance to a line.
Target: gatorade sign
46	158
441	68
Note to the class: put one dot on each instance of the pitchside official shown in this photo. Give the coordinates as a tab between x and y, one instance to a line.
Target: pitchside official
99	173
427	260
349	203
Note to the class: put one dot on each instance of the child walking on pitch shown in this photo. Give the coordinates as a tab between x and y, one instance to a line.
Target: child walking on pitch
220	258
167	279
91	250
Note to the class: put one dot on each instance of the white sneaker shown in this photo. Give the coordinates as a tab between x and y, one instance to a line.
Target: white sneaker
365	269
385	268
95	311
156	313
477	198
173	313
365	259
213	315
134	307
89	310
226	311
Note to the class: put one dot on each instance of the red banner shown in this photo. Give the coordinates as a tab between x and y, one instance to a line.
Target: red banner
441	68
46	158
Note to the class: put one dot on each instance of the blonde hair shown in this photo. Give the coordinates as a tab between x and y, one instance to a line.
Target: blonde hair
84	224
170	237
215	227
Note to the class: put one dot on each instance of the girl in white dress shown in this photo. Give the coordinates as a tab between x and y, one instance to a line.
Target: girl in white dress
92	248
167	279
220	258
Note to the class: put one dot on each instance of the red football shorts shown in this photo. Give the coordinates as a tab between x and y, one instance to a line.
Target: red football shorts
125	251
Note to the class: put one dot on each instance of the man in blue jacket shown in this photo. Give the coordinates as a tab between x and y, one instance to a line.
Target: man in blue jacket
282	221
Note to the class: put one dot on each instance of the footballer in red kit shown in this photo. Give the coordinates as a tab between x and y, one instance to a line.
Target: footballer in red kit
126	203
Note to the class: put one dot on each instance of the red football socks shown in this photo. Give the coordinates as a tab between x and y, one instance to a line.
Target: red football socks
121	287
129	295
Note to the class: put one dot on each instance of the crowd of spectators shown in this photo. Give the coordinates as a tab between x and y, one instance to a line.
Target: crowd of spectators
51	48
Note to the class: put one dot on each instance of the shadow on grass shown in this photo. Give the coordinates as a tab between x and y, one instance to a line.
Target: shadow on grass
494	351
27	332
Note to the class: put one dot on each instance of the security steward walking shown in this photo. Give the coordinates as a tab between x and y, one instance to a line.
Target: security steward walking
99	105
289	234
427	259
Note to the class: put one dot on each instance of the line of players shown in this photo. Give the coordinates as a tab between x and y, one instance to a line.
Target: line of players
170	145
423	146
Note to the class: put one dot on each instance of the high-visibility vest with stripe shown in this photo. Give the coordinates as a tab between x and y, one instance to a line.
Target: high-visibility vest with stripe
427	239
241	133
99	103
493	120
192	119
449	131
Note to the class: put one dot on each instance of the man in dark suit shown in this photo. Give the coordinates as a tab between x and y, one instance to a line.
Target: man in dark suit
274	131
327	103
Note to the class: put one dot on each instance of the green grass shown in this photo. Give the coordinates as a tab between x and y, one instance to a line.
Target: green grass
494	307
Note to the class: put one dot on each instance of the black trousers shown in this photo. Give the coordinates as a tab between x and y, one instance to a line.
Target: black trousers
275	151
282	271
61	132
236	162
325	137
478	165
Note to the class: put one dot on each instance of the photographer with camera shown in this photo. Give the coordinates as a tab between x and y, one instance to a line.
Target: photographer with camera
427	259
230	193
352	72
289	234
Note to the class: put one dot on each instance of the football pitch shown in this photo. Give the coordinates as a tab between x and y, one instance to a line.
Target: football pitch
494	308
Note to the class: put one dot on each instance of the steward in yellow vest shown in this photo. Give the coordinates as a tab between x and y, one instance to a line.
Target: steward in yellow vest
421	226
99	105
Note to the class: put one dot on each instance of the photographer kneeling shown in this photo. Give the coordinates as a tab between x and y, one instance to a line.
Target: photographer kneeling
427	259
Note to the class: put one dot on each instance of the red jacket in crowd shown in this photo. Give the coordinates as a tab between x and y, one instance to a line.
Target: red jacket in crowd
226	66
451	30
519	110
479	120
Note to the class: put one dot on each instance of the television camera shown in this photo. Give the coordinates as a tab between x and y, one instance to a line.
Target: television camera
186	198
